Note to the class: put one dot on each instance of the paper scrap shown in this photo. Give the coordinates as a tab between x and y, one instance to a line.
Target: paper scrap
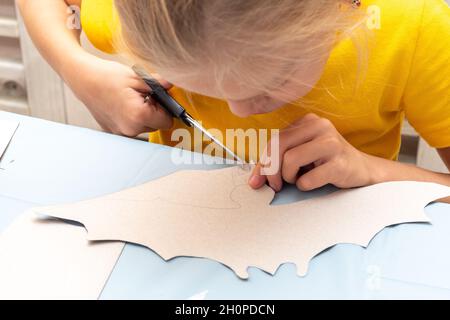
49	259
7	130
215	215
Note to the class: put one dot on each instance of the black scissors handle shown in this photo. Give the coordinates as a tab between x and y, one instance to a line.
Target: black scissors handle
163	98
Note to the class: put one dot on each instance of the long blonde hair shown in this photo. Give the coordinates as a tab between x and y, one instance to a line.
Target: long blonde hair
227	34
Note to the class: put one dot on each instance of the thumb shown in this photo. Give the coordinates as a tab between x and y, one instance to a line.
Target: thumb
166	84
139	85
256	180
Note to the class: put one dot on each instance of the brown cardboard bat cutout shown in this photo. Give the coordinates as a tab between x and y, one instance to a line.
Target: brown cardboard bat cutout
215	215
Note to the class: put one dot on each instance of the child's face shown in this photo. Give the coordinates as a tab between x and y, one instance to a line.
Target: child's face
243	99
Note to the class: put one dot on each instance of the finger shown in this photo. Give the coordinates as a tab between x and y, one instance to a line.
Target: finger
270	165
157	117
148	130
275	182
148	115
301	156
256	180
139	85
304	132
304	119
166	84
129	130
132	130
316	178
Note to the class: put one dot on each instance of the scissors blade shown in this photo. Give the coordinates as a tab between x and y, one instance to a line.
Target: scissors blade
198	126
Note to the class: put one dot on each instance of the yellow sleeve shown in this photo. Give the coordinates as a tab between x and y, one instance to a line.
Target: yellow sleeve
100	23
426	99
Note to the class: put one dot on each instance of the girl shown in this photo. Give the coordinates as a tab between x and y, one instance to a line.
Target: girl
338	85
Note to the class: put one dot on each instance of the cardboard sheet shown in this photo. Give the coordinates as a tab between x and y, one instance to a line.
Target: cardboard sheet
49	259
7	130
215	214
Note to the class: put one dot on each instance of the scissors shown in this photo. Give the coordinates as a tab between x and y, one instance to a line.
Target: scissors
163	98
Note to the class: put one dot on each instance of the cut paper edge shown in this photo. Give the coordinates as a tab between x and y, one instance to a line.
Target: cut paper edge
47	259
366	215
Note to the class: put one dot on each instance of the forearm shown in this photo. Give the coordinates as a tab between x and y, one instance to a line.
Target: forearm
46	23
383	170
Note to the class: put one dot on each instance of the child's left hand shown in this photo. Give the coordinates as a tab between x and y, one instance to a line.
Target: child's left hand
315	140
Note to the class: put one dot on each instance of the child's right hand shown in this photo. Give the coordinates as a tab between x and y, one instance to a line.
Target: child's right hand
115	96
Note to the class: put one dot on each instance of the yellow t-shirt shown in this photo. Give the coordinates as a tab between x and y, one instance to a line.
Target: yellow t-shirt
407	74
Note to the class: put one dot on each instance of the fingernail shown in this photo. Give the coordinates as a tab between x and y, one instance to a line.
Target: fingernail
275	187
256	180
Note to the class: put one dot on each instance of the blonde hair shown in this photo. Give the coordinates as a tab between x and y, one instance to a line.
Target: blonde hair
226	35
